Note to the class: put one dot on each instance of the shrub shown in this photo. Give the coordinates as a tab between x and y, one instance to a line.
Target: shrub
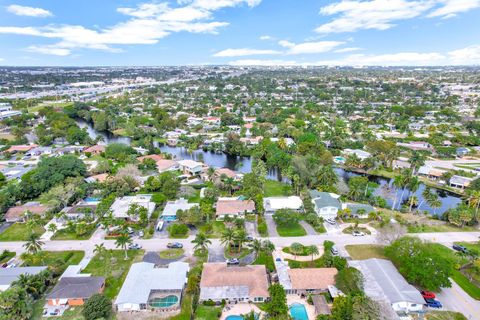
98	306
177	230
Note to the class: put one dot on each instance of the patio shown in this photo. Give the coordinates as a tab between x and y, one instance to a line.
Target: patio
239	309
293	298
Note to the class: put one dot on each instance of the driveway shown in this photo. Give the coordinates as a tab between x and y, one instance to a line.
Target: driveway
455	299
251	228
4	226
308	228
332	229
216	253
271	226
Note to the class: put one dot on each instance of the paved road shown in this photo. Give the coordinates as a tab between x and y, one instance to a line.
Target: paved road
455	299
308	228
271	225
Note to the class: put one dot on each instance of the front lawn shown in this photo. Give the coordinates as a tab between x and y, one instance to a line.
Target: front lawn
273	188
113	266
207	312
444	315
6	255
350	229
265	259
365	251
420	228
50	258
304	252
171	253
214	229
67	234
233	253
291	230
19	232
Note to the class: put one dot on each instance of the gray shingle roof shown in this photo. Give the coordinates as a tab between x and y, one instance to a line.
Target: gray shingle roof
76	287
324	199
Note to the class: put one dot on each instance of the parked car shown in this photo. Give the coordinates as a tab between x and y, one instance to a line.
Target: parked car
134	246
334	251
130	230
330	221
432	303
140	233
233	261
249	238
427	294
357	233
460	248
174	245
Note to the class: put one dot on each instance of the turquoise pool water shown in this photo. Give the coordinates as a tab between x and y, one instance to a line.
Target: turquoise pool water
234	318
340	159
91	199
165	302
298	312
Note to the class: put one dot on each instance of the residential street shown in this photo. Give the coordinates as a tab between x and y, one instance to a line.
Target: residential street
455	299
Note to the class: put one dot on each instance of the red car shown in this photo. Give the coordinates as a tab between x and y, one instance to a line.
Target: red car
428	295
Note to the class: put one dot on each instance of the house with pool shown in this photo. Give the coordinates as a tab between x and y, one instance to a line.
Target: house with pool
233	283
272	204
169	213
147	287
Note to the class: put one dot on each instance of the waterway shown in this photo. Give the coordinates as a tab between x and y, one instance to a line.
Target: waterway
244	165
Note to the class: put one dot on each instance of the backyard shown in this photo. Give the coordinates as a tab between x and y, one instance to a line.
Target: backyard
273	188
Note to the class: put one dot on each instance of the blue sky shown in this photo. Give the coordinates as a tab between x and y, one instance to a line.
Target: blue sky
240	32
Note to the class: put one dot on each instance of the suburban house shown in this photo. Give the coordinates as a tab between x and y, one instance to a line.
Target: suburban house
431	173
325	204
74	291
79	211
169	213
358	210
190	167
361	154
225	172
19	213
21	148
102	177
272	204
234	284
154	157
10	275
304	281
95	150
416	145
120	207
148	288
460	182
462	151
233	207
165	165
384	283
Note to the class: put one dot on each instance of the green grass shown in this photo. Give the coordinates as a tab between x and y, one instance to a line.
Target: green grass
50	258
365	251
171	253
471	289
303	253
214	229
195	198
350	229
273	188
265	259
186	311
291	230
207	313
113	266
19	232
317	263
66	234
420	228
233	253
470	245
444	315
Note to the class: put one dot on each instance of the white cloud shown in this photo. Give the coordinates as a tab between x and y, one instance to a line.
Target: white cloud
244	52
28	11
466	56
254	62
266	37
310	47
393	59
374	14
349	49
451	8
147	24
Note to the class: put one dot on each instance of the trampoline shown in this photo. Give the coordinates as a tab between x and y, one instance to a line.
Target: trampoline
164	302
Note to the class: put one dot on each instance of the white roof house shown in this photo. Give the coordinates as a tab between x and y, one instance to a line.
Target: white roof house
169	213
384	283
190	166
145	284
361	154
272	204
120	207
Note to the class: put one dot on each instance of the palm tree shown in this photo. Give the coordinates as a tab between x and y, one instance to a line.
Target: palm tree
123	240
256	245
240	238
52	227
327	176
296	248
312	250
268	246
426	194
99	248
210	173
413	186
416	161
413	200
434	202
249	316
201	242
473	198
227	238
33	244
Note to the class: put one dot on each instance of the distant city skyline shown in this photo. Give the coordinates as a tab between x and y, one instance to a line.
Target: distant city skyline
239	32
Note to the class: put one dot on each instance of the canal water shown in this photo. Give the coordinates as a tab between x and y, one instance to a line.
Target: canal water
244	165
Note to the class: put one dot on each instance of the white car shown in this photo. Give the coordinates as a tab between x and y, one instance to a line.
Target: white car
356	233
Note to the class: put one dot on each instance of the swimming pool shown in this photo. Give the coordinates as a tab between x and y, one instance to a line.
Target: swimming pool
91	199
164	302
298	312
234	318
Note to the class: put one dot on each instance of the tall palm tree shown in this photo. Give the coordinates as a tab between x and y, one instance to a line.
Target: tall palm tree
240	238
434	202
210	173
249	316
52	227
201	242
33	244
123	240
268	246
227	238
473	198
426	194
256	245
99	248
312	250
326	175
416	161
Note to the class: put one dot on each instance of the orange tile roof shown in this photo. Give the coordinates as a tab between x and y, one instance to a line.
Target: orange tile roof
312	278
232	207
